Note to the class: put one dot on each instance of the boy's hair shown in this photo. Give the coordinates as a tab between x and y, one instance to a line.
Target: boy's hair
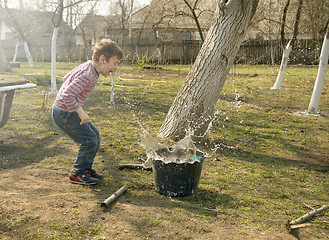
108	48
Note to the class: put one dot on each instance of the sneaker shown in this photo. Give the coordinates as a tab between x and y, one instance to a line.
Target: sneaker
94	174
82	177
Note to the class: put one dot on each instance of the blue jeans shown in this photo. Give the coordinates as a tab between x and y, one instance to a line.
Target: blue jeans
86	135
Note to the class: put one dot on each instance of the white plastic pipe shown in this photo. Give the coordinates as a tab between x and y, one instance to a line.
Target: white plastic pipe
112	90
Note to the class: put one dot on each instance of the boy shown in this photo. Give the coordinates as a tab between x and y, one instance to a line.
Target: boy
69	116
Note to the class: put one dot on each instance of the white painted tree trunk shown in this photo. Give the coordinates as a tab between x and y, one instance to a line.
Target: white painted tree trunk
193	108
318	86
28	54
283	67
53	89
16	52
4	65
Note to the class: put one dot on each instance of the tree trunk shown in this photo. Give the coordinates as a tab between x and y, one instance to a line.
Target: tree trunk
4	65
57	25
53	89
318	86
16	51
194	105
288	48
18	29
28	54
283	67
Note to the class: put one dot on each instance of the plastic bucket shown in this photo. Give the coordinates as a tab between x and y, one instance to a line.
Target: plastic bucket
176	179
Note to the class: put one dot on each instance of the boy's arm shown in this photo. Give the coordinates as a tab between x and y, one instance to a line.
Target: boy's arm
83	116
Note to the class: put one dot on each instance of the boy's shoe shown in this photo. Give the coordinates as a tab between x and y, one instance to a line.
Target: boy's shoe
82	177
94	174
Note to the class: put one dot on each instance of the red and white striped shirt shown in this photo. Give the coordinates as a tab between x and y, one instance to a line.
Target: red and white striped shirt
77	86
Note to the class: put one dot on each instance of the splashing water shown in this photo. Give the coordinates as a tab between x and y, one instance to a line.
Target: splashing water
182	152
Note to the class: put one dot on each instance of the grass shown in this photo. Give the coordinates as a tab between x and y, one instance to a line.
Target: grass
270	160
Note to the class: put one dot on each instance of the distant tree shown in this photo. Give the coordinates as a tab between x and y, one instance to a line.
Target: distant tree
57	22
267	14
195	12
287	47
17	27
323	65
191	9
193	108
316	13
57	19
4	65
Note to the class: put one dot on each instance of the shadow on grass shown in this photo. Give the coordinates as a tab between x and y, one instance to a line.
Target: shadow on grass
273	161
27	150
141	192
204	202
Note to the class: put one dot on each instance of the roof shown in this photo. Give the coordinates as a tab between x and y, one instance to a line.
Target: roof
33	23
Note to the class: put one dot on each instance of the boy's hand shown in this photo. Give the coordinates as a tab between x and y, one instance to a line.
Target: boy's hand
83	116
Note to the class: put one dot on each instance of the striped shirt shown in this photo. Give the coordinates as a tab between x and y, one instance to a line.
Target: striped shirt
77	86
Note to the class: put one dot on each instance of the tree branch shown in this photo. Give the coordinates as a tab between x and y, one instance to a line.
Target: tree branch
306	217
297	19
283	23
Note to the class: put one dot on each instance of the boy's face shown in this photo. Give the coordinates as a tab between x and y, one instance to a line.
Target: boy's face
107	67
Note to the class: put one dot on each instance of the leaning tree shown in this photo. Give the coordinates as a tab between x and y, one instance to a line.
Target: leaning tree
319	82
287	49
193	108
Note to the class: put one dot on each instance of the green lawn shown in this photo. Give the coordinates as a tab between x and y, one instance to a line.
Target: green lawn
270	160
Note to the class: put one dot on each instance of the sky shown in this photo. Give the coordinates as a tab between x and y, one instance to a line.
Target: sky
30	3
103	8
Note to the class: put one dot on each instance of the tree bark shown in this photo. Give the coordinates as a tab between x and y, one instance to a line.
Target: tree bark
319	82
193	108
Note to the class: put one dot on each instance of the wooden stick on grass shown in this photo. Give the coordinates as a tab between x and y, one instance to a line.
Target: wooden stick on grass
298	222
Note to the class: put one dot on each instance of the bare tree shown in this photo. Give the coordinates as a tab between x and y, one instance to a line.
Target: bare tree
194	105
195	13
17	27
288	47
57	19
57	23
317	12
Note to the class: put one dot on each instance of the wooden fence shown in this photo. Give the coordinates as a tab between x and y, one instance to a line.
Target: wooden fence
184	52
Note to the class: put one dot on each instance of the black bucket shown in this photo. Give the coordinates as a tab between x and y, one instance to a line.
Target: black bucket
176	179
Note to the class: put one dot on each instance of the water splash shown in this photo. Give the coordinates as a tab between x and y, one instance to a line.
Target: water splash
182	152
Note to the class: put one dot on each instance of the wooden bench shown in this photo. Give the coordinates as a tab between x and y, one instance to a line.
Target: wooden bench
7	91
